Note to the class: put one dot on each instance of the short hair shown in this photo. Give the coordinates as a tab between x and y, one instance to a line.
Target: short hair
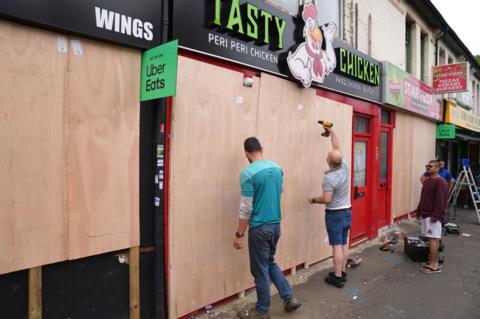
252	145
436	162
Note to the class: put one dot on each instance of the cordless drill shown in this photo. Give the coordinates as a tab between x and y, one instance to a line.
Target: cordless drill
325	125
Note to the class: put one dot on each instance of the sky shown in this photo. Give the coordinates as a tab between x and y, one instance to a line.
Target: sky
463	16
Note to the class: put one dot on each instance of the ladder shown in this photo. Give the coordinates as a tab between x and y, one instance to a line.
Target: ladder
465	178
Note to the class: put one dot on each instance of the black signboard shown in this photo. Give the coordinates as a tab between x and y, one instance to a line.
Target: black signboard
257	34
134	23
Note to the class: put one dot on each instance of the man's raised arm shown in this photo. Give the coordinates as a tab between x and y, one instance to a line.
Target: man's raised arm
334	140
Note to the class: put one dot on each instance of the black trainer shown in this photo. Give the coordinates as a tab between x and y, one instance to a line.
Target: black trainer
334	281
344	275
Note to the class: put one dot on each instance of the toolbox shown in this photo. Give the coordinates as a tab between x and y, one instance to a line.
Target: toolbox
418	249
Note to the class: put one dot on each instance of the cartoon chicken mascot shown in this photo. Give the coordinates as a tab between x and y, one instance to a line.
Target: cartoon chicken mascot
309	62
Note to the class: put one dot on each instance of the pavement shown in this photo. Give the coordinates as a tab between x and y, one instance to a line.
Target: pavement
388	284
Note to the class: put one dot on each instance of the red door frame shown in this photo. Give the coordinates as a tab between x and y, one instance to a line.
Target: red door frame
367	188
384	127
373	111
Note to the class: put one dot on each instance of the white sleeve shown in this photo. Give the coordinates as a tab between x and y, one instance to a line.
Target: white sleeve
246	207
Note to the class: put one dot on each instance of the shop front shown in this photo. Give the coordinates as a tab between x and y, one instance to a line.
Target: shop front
70	201
417	110
247	68
459	138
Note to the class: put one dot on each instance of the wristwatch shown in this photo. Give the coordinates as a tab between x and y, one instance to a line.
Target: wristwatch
238	235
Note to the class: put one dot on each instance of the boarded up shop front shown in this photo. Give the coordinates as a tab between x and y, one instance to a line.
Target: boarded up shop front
215	109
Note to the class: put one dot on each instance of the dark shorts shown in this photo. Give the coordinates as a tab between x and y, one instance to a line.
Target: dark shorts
338	224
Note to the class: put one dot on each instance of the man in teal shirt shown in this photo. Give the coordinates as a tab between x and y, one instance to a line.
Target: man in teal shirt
261	183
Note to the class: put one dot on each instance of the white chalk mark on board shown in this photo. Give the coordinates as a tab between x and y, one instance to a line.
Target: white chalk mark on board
239	100
62	44
77	47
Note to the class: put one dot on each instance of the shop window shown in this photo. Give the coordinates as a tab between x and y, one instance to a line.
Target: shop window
408	45
386	117
423	56
330	11
361	124
360	164
383	155
442	57
289	6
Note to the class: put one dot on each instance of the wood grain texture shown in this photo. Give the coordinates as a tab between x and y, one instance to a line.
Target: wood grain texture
288	129
35	293
103	148
423	150
32	139
413	147
208	130
134	280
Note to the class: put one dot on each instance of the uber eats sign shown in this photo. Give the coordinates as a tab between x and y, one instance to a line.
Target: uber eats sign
159	72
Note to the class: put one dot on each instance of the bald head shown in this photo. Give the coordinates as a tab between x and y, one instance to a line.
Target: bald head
334	158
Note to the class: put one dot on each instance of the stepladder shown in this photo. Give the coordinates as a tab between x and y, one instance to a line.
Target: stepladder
465	180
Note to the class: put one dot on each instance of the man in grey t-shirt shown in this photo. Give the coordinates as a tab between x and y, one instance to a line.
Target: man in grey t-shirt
338	215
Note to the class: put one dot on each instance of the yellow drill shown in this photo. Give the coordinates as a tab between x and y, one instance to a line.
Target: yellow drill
325	125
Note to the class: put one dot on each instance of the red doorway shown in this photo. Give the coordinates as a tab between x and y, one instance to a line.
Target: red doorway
366	126
385	167
361	184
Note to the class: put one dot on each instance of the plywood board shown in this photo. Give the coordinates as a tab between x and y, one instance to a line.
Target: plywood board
402	164
32	139
423	150
103	148
288	129
413	147
213	113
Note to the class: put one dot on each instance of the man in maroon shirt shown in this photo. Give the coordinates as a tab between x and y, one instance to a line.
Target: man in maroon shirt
432	210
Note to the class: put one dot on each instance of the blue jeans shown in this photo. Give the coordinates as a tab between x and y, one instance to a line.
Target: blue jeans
338	224
262	245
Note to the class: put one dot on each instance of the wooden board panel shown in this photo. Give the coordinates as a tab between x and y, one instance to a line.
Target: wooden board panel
208	130
103	133
413	147
402	165
423	150
288	129
32	170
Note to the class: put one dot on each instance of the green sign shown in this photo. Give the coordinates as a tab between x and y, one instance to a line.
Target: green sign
159	72
358	68
445	131
251	21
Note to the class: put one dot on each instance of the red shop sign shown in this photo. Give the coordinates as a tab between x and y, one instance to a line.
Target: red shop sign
450	78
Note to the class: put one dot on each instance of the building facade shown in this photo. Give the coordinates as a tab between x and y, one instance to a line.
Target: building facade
122	186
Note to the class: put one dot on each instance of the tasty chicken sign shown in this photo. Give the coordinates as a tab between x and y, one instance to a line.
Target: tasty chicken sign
262	36
309	63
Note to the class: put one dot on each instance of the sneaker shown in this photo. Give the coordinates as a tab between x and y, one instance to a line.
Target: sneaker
344	275
292	305
334	281
429	270
428	265
252	314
